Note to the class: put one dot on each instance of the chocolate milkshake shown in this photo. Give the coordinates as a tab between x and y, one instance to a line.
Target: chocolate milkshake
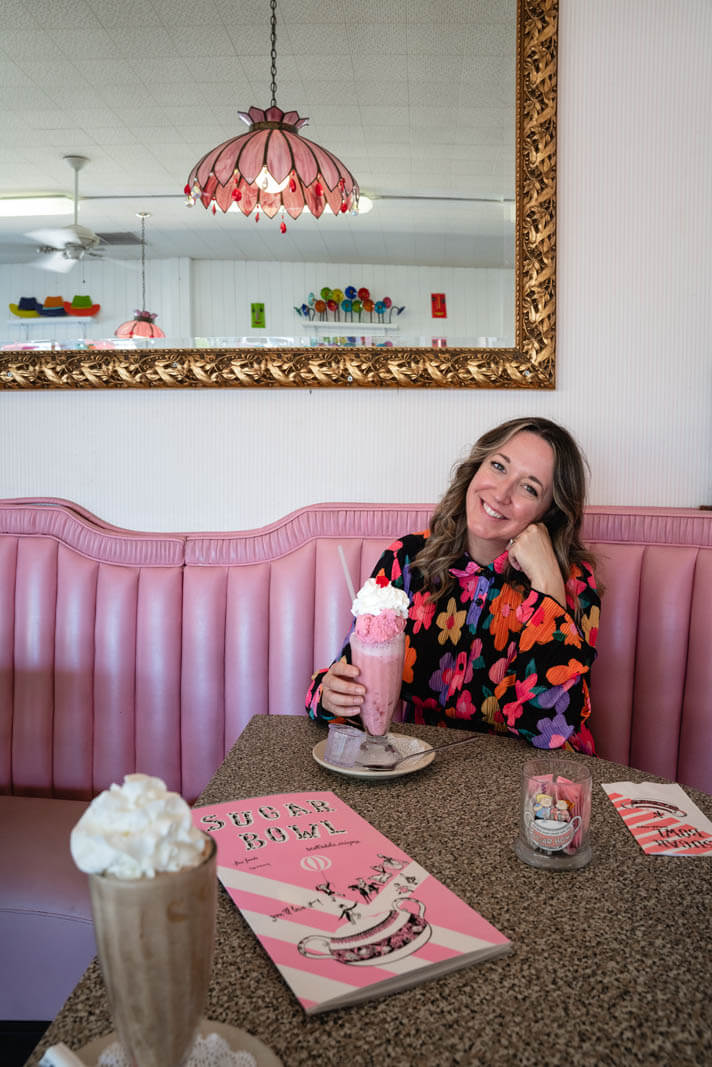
153	888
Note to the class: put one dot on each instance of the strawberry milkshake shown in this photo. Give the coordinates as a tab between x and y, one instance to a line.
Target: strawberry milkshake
377	649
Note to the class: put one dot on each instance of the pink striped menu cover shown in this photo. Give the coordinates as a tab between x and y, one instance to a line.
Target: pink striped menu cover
344	914
662	818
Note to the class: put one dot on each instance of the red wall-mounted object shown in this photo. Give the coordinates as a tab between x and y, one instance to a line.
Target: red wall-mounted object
439	305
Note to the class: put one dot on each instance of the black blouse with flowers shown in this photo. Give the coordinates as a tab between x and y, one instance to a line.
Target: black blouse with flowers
492	656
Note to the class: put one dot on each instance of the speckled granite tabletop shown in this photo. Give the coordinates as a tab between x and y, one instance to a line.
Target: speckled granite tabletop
611	965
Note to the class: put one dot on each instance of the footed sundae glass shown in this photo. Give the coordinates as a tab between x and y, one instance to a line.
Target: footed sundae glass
153	886
381	672
378	650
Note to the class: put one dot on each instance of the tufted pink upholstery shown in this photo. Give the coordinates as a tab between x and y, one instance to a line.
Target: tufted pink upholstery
124	651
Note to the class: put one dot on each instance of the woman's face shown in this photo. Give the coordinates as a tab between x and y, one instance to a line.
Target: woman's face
512	488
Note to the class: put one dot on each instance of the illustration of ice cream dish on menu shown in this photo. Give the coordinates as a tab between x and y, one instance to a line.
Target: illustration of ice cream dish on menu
378	649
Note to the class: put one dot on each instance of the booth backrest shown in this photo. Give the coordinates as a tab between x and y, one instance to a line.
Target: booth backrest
123	651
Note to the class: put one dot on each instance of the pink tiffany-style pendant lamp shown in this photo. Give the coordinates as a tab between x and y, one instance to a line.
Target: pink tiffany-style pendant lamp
143	323
271	168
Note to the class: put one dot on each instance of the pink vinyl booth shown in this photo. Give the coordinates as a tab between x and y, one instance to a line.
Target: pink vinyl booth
124	651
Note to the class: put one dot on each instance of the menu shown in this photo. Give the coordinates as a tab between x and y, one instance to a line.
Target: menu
344	914
662	818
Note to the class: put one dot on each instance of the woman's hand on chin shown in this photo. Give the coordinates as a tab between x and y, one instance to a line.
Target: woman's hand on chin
341	694
531	551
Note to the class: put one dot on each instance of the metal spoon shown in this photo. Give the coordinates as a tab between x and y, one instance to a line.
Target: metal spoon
414	755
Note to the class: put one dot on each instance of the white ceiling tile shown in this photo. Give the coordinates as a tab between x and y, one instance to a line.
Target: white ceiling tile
212	40
127	13
92	116
256	68
313	12
137	117
38	44
372	92
111	135
69	140
50	74
172	94
489	39
184	11
12	74
434	39
219	69
80	42
384	38
346	116
304	40
335	65
131	95
141	49
208	136
50	119
394	113
108	72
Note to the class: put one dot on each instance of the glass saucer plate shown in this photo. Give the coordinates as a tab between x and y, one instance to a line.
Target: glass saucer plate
237	1040
367	773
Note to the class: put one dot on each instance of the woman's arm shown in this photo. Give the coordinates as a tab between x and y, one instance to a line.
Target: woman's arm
543	696
336	691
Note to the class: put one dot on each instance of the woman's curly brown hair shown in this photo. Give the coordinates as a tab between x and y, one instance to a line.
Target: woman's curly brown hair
448	525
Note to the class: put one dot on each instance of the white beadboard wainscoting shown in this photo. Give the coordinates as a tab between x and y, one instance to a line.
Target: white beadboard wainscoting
634	371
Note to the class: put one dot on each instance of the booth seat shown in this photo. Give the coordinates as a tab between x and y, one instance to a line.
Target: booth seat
123	651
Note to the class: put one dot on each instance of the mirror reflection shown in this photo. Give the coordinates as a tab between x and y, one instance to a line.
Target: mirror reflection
418	101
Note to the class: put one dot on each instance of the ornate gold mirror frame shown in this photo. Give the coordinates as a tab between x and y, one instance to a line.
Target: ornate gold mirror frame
531	364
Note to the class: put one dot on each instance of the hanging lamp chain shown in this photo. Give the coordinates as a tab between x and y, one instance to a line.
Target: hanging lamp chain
273	52
143	262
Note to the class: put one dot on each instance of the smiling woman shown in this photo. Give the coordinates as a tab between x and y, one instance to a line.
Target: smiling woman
530	364
503	608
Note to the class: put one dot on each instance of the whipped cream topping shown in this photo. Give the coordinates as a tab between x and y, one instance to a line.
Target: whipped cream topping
377	595
135	830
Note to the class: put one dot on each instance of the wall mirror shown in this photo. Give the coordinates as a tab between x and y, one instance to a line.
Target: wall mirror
530	362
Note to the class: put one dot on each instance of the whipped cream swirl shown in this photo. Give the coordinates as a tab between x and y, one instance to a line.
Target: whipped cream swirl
377	595
135	830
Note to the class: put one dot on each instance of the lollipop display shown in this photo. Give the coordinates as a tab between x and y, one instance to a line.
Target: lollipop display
348	305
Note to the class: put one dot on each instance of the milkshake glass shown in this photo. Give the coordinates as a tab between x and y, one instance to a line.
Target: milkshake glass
155	939
378	650
153	886
380	666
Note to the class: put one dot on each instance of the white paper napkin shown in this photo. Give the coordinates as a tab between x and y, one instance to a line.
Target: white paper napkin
662	818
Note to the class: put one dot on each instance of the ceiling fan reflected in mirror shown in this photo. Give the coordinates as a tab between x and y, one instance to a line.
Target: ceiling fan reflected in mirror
62	248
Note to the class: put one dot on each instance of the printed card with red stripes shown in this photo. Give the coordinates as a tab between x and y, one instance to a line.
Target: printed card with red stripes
344	914
662	818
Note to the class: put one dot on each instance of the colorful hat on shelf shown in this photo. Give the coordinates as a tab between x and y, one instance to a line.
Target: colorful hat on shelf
81	305
27	308
53	308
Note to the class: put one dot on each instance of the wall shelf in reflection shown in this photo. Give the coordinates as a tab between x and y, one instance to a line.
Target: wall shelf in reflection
350	327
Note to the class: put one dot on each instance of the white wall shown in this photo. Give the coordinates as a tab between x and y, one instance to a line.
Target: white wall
480	303
634	368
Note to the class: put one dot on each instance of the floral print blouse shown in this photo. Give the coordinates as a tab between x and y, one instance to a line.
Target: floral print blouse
492	657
